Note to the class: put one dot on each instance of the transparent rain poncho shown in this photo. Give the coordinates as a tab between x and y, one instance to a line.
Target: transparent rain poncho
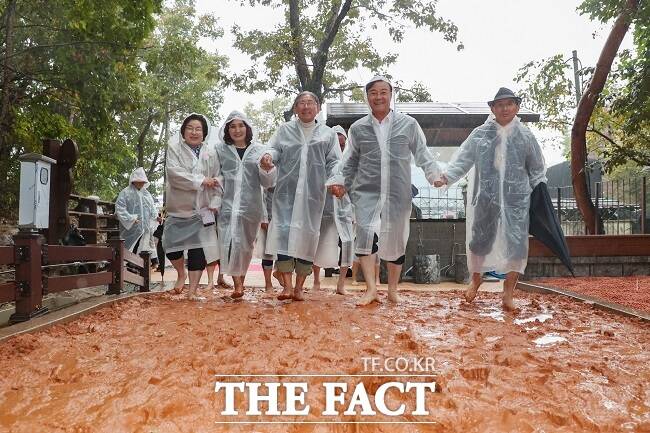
336	224
261	239
187	197
131	205
506	163
299	196
377	175
242	205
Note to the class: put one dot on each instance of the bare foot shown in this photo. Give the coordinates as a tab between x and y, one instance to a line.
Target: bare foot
197	298
222	283
285	294
237	293
298	295
340	289
180	283
368	298
508	302
268	289
315	286
393	296
277	276
472	290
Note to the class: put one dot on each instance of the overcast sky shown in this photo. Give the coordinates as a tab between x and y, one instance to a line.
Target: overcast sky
499	36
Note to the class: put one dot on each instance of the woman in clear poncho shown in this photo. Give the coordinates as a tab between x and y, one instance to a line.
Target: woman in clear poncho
376	172
306	153
507	164
193	194
242	205
136	211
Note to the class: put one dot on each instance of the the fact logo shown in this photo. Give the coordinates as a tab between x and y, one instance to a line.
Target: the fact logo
290	397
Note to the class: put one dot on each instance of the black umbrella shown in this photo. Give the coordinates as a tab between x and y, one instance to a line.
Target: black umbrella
545	226
159	248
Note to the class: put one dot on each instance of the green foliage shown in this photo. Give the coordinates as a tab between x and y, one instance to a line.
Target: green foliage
328	39
109	74
268	116
619	128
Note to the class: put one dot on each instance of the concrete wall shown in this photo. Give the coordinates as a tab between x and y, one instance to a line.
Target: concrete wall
615	266
447	237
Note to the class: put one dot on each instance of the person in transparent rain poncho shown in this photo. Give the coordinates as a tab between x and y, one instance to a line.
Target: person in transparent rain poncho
507	164
336	231
242	205
376	169
306	153
136	211
193	195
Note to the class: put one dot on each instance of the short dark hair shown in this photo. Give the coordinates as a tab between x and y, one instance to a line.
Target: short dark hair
228	139
372	83
204	124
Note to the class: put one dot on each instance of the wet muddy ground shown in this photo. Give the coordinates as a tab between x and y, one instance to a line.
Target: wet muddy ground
149	364
632	291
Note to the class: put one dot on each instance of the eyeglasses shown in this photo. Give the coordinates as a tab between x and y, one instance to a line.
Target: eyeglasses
306	104
190	129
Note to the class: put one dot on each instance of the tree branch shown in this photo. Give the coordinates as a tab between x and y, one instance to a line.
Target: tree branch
297	46
336	16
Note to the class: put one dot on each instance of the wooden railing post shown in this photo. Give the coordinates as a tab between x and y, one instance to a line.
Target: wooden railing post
117	267
29	284
146	270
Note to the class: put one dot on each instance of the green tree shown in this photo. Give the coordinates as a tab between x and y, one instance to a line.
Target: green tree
178	77
267	116
613	108
67	71
321	40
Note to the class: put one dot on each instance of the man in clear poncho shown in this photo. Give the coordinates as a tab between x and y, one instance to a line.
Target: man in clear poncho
376	169
136	211
193	194
306	153
242	205
507	164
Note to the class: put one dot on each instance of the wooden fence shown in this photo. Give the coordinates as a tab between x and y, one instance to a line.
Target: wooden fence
33	261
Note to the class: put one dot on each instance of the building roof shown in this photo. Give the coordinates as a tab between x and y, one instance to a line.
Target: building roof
443	123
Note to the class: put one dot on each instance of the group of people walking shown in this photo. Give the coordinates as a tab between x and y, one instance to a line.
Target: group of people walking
315	196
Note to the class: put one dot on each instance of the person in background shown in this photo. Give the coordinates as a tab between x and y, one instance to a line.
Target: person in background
136	211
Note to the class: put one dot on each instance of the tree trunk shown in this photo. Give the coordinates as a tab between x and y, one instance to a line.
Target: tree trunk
142	138
585	110
6	112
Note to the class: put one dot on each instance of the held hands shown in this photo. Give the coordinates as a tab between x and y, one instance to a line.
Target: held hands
211	182
336	190
440	182
267	162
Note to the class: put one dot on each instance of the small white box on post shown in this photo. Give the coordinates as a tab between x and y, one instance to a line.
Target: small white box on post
34	204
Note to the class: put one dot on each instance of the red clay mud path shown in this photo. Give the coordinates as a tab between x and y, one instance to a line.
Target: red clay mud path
149	364
632	291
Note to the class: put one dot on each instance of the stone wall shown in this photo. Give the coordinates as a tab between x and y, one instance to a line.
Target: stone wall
613	266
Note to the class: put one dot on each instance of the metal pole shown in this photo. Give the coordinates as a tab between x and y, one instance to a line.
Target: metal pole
644	204
598	188
576	77
559	205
